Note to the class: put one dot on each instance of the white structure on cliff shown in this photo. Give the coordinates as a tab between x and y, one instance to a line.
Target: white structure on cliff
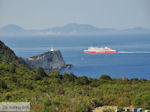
52	49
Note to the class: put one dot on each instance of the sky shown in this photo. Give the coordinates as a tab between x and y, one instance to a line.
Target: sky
41	14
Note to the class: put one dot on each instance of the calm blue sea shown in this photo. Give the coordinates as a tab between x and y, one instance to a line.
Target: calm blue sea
132	59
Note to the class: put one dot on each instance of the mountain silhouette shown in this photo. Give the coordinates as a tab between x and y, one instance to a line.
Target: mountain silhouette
69	29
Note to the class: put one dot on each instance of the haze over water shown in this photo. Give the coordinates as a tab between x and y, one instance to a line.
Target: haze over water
131	61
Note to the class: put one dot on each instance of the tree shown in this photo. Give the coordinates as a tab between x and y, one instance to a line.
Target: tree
41	72
105	77
12	68
134	79
82	80
46	106
3	84
55	74
69	77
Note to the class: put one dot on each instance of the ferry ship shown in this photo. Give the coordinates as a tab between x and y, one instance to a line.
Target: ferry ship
105	49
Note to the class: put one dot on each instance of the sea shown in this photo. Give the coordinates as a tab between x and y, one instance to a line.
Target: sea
131	61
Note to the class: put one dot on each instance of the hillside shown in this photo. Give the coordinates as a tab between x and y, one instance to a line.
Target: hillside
6	54
66	92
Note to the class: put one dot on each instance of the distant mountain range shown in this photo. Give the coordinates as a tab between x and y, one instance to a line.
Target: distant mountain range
69	29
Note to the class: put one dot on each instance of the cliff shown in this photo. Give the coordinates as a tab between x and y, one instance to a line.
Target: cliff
49	61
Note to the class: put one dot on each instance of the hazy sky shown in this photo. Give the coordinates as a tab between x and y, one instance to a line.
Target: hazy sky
39	14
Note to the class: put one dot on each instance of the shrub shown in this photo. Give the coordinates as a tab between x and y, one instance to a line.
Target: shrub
12	68
69	77
55	74
105	77
37	77
29	85
47	102
41	72
134	79
142	100
144	80
82	80
14	79
3	84
84	107
96	103
60	91
94	82
46	106
107	110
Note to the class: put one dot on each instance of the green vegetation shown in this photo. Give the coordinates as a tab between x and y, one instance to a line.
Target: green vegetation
55	92
108	110
6	54
67	92
105	77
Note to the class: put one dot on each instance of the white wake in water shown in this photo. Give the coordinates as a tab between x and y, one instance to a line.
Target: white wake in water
133	51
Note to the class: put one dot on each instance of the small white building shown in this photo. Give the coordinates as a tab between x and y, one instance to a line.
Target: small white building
51	49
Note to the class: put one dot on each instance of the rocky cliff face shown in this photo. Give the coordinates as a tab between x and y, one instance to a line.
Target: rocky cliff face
49	61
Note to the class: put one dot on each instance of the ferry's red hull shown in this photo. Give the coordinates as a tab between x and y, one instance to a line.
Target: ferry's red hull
113	51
